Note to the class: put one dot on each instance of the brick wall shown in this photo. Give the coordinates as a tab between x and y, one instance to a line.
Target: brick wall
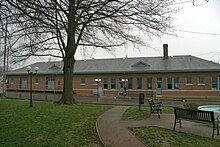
87	88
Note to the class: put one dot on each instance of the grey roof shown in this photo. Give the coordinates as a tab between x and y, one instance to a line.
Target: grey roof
127	65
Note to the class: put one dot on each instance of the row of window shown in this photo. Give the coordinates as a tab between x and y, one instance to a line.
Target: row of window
50	83
172	83
200	80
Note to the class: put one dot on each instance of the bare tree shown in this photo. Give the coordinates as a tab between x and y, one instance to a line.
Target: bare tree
57	28
195	4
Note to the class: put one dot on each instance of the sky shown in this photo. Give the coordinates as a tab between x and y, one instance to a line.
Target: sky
197	33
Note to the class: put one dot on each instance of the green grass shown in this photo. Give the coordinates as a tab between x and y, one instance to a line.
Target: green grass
181	98
190	99
158	137
48	124
132	113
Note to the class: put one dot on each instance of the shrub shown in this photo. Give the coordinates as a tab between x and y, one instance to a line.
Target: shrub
191	106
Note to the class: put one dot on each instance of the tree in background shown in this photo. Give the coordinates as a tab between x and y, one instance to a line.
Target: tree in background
57	28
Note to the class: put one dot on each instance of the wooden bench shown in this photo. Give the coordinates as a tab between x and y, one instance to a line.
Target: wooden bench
196	115
155	107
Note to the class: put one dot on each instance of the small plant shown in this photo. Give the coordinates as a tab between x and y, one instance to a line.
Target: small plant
191	106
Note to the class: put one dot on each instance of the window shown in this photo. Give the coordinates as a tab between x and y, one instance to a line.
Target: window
82	81
172	83
105	83
176	83
216	83
139	83
113	83
201	80
149	83
189	80
169	83
36	81
130	83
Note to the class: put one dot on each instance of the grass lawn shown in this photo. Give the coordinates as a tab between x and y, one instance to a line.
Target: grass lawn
132	113
48	124
190	99
159	137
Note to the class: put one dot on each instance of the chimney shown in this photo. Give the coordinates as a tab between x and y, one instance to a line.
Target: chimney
165	51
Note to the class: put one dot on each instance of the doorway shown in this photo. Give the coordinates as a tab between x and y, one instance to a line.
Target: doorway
50	83
23	82
159	86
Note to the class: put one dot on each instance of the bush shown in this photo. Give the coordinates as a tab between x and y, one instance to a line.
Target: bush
191	106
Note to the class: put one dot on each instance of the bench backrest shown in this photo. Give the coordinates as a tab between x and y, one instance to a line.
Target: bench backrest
154	104
151	103
200	115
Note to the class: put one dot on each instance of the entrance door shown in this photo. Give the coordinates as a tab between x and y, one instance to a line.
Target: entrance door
159	86
23	83
120	87
50	83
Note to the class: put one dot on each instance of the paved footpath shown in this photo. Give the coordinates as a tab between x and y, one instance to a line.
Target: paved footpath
113	132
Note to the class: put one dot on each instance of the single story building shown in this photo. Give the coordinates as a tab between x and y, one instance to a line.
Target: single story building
165	76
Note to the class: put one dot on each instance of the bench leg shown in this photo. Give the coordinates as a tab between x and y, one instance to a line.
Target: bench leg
215	126
217	129
150	114
158	112
155	111
174	127
213	131
177	121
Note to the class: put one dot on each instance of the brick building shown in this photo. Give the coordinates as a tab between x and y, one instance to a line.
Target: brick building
165	76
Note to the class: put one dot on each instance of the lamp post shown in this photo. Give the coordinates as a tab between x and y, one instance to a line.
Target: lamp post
97	81
124	83
31	74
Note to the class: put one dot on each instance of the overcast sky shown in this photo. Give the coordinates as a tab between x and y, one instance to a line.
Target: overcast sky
197	28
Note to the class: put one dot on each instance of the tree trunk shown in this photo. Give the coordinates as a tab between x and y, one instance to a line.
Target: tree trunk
68	60
67	96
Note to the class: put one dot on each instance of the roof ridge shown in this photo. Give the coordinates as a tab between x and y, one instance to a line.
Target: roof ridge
130	58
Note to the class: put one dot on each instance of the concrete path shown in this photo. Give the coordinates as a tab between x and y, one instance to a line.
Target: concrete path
114	132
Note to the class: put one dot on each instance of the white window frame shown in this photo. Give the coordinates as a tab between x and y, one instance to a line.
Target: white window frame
199	80
217	82
82	81
173	83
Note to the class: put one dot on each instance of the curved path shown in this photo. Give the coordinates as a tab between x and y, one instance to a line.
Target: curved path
114	132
